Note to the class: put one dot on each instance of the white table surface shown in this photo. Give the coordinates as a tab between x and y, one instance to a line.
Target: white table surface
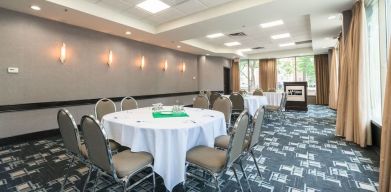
253	102
167	139
273	98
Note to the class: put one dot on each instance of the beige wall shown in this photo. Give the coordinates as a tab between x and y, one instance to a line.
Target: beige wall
32	44
211	72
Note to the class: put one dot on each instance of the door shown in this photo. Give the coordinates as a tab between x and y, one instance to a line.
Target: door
227	81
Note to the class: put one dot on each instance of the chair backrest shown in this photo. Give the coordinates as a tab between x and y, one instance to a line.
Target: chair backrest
69	132
242	92
271	90
258	92
128	103
257	126
224	105
97	144
201	101
235	147
104	106
213	98
208	94
237	101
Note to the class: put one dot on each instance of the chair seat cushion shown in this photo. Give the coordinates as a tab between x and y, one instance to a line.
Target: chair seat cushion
83	150
127	162
272	107
222	141
206	157
114	145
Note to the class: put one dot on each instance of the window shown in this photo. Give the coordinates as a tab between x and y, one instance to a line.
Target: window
301	68
249	74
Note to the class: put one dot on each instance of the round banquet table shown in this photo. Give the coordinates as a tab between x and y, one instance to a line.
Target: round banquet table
253	102
167	139
273	98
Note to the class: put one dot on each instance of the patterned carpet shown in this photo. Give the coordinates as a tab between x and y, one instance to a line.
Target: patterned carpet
300	155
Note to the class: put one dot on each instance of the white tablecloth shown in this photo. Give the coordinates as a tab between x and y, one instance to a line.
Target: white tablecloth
252	103
273	98
167	139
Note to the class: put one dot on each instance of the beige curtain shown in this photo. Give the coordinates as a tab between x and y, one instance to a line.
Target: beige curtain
268	74
385	148
322	79
235	77
353	120
333	84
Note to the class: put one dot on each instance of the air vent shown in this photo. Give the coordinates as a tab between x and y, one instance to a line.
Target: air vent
239	34
258	47
303	42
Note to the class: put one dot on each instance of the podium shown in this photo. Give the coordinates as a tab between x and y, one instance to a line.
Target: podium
296	96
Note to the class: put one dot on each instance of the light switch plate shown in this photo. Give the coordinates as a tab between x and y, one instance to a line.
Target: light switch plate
13	70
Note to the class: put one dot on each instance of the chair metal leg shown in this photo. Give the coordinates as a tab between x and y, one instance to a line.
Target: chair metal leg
244	174
216	183
90	170
255	162
125	184
96	181
67	173
237	179
154	179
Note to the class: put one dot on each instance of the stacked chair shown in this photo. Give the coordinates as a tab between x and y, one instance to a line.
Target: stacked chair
213	98
237	105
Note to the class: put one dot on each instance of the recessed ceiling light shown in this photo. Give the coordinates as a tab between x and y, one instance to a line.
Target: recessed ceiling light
287	44
281	36
208	54
331	17
272	24
128	33
153	6
216	35
35	7
230	44
178	46
245	50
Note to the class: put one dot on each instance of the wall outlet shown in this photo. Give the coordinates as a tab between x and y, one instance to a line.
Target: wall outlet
13	70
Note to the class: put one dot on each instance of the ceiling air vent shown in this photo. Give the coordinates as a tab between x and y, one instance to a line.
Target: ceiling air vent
239	34
258	47
303	42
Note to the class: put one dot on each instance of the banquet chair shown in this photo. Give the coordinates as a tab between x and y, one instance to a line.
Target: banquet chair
71	138
237	104
213	98
216	162
224	105
258	92
242	92
271	90
208	94
269	109
121	166
201	102
128	103
102	107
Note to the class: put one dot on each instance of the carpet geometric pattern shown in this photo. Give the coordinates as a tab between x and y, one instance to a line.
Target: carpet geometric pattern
298	154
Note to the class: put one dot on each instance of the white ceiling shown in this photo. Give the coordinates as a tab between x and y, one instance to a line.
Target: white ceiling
187	22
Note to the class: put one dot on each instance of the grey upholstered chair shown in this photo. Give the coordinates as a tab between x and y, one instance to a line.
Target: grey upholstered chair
242	92
128	103
201	101
104	106
71	138
224	105
121	166
216	162
258	92
269	109
237	103
213	97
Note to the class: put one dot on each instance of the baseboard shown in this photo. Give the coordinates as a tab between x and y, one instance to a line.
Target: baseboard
29	137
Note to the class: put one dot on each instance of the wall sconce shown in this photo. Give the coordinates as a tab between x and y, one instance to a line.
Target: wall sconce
142	63
183	67
63	53
165	65
110	58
